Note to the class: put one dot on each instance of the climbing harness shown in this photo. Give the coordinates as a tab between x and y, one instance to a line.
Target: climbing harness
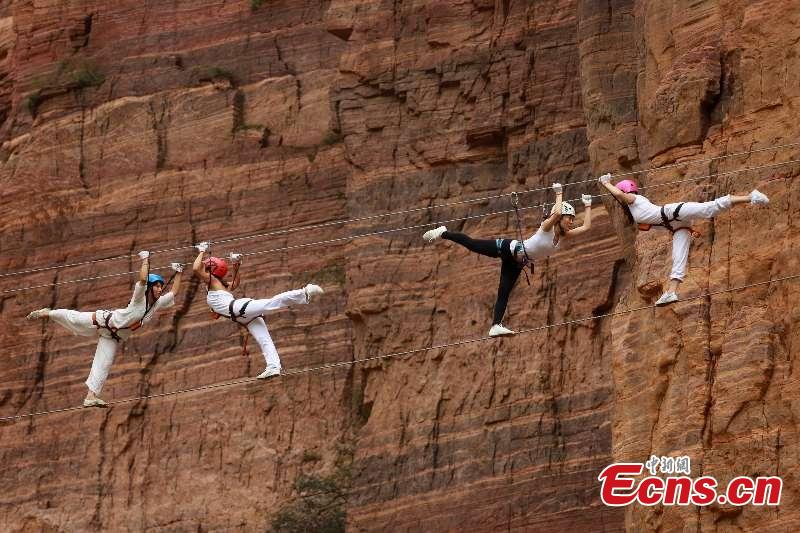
111	329
234	317
527	261
666	222
106	322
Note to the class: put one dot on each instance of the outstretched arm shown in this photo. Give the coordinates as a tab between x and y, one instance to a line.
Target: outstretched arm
624	197
587	217
550	221
197	266
176	283
144	270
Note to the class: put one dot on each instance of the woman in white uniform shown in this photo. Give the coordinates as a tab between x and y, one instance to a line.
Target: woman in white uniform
114	327
246	312
515	255
675	217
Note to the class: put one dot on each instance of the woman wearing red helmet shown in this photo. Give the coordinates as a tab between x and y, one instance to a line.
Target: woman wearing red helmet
246	311
675	217
114	327
515	255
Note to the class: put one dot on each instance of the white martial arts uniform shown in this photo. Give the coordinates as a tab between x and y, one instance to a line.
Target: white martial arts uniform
645	212
80	323
219	302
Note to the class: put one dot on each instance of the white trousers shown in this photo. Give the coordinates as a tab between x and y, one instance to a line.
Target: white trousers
80	323
258	327
682	240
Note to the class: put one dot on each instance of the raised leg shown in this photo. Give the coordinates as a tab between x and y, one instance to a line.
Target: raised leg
285	299
700	210
487	247
77	322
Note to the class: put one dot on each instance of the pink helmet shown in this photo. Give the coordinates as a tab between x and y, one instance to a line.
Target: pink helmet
628	186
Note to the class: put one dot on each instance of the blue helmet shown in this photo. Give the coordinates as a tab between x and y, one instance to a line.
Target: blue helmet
152	279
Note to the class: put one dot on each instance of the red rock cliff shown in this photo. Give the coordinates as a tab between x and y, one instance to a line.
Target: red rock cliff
154	125
712	378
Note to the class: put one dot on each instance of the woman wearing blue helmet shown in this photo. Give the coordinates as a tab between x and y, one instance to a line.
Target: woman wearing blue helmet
114	327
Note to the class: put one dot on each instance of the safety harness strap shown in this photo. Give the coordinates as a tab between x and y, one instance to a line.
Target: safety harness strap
111	329
236	316
666	221
515	204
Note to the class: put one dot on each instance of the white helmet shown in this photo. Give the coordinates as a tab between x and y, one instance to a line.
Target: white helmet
566	209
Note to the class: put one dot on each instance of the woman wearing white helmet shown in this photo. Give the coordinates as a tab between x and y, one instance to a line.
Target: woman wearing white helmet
114	327
515	255
675	217
246	312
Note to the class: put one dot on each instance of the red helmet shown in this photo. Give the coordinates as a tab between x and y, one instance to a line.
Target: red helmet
628	186
218	267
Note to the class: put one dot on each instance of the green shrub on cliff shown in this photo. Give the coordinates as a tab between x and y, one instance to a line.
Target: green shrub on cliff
81	73
88	77
32	102
74	74
320	501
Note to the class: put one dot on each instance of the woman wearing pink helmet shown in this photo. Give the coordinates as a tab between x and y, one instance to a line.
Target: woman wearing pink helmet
515	255
246	312
675	217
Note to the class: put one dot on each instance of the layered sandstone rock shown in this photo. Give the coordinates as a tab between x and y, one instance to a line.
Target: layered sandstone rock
131	126
710	378
442	101
193	134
